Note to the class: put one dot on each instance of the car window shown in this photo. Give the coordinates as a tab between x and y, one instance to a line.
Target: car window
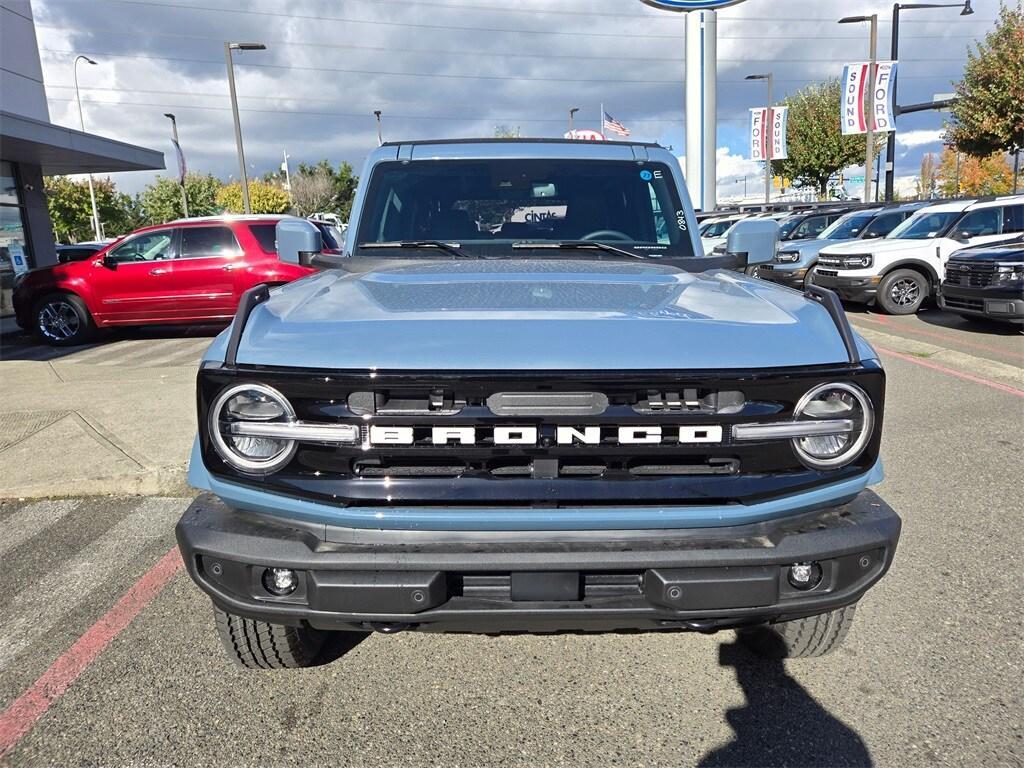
846	227
205	242
980	223
786	227
811	227
149	246
486	204
1013	219
923	225
266	236
883	225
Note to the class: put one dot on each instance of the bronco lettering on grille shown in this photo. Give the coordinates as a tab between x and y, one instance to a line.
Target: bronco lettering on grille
530	436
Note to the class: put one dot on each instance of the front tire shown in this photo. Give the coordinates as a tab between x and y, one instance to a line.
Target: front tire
259	645
902	292
62	320
800	638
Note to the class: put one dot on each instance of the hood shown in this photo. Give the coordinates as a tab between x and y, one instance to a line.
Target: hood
1011	251
809	247
537	315
883	245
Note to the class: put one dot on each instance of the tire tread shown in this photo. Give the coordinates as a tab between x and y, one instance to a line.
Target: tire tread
260	645
801	638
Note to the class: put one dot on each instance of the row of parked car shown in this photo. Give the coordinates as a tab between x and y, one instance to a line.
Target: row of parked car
966	254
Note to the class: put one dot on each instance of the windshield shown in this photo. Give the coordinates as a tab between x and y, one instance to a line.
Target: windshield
717	228
923	225
786	226
846	228
485	206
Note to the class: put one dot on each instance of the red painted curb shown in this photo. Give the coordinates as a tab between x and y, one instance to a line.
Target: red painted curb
959	374
19	718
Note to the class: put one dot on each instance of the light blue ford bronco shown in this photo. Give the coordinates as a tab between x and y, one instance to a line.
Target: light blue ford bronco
522	399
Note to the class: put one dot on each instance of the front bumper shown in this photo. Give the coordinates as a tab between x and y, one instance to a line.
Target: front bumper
861	290
994	302
699	579
784	274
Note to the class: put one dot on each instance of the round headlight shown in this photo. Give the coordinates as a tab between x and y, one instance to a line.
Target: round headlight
248	403
834	401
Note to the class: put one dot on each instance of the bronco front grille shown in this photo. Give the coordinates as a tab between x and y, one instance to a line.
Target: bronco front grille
975	274
540	439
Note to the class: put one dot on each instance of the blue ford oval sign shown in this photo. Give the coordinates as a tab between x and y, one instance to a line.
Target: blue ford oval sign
689	5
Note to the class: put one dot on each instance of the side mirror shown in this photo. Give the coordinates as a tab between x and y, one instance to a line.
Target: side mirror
756	240
298	241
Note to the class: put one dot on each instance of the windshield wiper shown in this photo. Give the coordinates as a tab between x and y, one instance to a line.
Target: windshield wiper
420	245
578	245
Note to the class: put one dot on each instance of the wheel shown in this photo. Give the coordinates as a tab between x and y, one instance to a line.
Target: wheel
809	278
800	638
902	291
754	271
259	645
61	319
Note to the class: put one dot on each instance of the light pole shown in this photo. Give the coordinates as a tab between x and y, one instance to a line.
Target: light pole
380	128
81	120
181	162
572	115
228	48
872	66
767	129
890	149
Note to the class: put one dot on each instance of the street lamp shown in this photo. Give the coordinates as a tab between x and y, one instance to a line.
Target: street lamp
890	149
81	120
181	163
768	138
380	128
572	115
228	48
872	66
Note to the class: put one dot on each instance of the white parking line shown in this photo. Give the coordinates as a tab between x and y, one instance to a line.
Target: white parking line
42	606
30	520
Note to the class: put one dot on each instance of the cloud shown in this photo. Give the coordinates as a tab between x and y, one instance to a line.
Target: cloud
922	138
448	68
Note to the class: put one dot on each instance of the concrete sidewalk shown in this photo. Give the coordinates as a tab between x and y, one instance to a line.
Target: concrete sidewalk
95	421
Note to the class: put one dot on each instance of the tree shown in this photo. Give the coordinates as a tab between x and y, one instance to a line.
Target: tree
71	209
263	198
343	186
817	148
927	182
959	174
312	192
161	200
988	117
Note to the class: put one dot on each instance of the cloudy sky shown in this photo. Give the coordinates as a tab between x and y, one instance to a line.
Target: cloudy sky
456	68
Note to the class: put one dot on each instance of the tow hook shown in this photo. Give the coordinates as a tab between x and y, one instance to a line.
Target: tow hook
389	628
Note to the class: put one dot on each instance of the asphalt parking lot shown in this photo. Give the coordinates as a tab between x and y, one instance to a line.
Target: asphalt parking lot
108	653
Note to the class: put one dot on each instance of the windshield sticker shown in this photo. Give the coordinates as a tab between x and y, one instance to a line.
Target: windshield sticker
646	175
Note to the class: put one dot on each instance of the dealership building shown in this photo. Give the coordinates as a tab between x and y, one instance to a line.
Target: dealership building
32	147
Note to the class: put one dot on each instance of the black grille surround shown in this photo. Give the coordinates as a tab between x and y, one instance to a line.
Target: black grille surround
971	272
546	475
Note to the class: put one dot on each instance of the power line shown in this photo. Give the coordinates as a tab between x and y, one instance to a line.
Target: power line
503	54
449	27
453	76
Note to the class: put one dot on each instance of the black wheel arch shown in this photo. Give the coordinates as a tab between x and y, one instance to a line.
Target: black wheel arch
926	269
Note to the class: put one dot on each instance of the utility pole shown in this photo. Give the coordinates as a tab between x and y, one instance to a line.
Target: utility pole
81	119
181	163
287	176
572	115
870	90
769	133
228	48
890	151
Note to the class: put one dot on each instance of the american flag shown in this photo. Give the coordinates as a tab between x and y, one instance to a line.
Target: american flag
613	125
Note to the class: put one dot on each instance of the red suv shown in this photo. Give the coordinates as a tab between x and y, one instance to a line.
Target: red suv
187	271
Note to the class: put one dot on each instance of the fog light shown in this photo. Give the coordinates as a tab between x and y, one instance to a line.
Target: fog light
280	581
805	575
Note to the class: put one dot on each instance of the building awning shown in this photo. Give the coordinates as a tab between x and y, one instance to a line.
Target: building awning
60	150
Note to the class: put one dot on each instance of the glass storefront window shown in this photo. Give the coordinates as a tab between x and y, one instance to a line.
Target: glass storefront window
13	247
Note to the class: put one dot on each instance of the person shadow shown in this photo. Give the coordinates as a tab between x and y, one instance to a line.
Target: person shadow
781	723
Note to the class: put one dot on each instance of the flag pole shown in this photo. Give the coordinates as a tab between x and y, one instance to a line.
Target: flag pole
601	125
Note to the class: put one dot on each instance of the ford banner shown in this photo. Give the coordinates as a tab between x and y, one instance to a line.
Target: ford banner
690	5
855	92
